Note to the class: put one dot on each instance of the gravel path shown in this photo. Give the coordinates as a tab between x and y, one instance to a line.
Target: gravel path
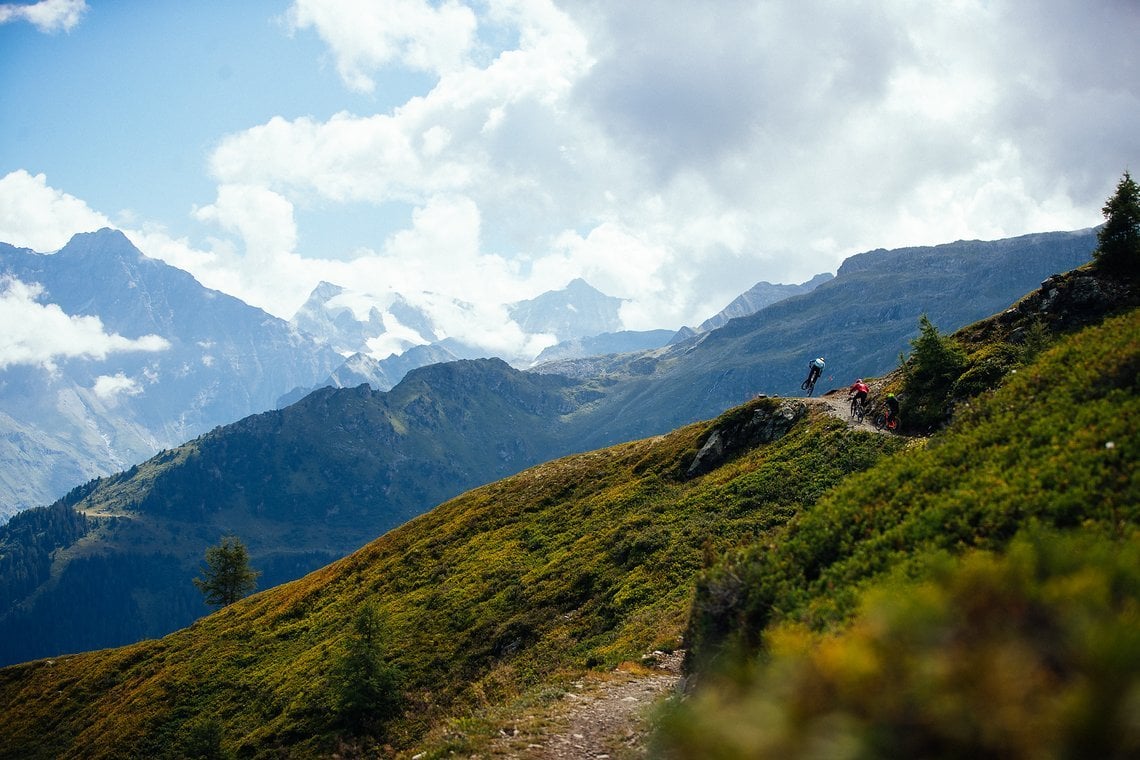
605	716
839	406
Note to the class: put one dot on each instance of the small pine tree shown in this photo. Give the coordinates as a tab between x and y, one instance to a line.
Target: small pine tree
366	688
227	574
933	367
1118	242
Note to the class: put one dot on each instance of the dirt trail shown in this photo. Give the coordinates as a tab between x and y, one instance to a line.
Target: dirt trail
604	715
839	406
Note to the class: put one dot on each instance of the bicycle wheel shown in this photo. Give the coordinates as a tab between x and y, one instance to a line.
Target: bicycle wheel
880	421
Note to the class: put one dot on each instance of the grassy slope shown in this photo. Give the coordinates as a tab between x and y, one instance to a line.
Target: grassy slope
1056	447
585	561
301	487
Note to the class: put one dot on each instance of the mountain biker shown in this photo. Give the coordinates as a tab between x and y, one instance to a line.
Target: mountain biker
892	404
815	369
859	392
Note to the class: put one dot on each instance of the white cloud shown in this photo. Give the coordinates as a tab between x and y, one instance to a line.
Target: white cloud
669	153
731	142
42	334
261	217
368	35
473	127
48	16
39	217
110	387
268	272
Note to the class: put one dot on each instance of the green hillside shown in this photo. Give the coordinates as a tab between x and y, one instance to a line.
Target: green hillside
758	537
585	561
1032	655
301	486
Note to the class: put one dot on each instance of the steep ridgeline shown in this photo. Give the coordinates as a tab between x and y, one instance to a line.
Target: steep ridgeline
769	519
860	321
65	421
300	486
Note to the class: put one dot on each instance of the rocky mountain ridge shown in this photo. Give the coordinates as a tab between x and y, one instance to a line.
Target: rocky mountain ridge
759	296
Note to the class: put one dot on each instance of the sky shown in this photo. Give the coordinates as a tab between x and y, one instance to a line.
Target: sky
670	153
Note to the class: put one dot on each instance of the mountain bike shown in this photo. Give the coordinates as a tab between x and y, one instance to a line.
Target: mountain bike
858	409
885	420
809	384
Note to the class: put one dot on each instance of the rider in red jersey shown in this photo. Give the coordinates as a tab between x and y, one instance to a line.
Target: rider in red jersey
858	391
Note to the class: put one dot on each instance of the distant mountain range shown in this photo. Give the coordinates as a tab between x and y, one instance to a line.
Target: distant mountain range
622	342
312	481
384	337
760	296
384	326
64	423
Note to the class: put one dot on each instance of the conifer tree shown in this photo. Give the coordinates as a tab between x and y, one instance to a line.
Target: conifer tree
1118	242
366	688
227	574
934	365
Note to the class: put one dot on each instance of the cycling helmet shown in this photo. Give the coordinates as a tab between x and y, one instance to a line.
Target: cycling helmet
859	380
890	395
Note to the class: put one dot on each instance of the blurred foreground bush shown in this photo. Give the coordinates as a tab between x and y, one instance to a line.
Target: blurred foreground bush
1031	654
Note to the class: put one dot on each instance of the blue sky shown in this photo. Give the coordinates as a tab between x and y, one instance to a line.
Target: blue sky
670	153
123	110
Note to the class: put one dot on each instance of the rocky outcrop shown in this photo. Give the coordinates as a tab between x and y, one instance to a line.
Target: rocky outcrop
1080	297
1063	303
752	425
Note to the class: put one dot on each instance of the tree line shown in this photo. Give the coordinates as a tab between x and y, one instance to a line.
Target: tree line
27	543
